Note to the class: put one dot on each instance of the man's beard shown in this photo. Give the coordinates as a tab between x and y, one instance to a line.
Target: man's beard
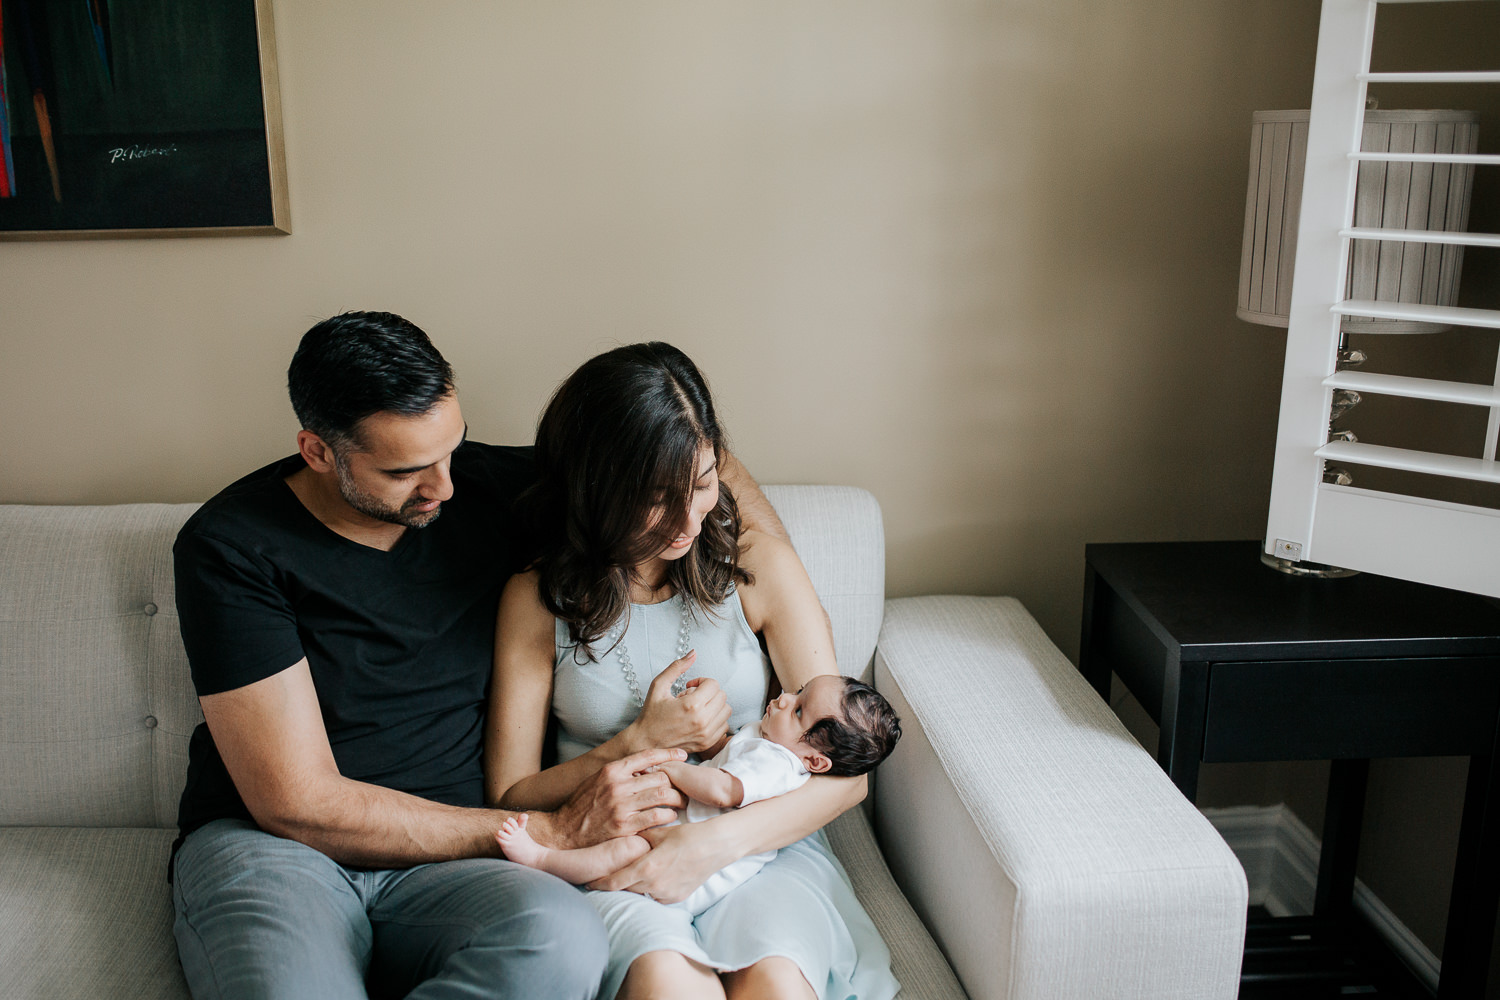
372	507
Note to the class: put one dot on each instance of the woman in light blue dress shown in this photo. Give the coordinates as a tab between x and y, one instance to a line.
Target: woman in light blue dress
641	625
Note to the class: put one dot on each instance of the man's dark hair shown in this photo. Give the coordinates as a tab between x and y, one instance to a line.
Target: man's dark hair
359	363
865	735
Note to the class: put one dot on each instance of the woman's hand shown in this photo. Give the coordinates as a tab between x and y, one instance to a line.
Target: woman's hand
681	859
694	720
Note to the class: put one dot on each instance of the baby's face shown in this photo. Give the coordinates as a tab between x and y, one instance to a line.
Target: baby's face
789	716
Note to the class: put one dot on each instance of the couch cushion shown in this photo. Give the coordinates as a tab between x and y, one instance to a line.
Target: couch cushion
87	913
98	702
917	963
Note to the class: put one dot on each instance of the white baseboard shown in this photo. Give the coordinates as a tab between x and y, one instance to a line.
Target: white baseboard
1280	857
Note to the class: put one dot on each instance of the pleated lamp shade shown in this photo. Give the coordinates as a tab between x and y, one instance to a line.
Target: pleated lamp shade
1433	196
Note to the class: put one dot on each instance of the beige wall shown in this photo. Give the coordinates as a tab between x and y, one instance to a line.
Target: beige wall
978	257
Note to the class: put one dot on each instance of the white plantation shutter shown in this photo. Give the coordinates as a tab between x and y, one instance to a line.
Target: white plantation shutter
1399	533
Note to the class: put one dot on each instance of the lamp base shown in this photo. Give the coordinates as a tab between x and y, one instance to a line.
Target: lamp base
1304	568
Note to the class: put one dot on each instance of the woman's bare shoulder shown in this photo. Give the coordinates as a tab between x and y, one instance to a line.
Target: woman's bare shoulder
521	606
525	584
777	577
765	553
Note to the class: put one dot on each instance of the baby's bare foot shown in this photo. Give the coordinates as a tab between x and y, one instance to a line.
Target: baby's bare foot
517	843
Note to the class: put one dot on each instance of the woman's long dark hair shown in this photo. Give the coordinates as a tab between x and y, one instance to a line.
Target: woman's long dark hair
619	440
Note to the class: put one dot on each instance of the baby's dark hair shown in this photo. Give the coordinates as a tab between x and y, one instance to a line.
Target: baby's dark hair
865	735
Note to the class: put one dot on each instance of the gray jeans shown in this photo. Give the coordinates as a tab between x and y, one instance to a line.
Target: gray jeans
262	917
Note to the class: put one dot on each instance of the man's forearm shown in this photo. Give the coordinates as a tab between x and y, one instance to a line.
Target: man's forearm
356	823
756	511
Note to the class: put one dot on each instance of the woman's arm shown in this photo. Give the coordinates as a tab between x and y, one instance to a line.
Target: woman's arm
520	703
683	857
782	606
515	725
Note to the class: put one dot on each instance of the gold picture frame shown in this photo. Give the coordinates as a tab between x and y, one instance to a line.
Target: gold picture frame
140	120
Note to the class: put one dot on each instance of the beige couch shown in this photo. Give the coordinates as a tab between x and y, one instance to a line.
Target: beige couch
1044	854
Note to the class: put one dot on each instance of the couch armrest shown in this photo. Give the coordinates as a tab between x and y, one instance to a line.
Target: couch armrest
1046	851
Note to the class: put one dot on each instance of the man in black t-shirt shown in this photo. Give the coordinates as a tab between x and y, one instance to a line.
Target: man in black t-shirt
338	609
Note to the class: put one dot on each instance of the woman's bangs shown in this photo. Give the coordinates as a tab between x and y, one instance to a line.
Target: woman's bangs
666	492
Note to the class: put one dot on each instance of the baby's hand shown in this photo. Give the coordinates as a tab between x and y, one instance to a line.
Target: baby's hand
708	785
674	770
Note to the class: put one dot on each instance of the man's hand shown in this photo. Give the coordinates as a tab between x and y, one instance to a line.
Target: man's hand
756	512
620	799
694	720
681	859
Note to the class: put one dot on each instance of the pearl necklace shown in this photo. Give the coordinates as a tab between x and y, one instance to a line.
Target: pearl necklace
684	636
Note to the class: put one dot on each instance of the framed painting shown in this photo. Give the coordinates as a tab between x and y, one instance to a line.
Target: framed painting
139	118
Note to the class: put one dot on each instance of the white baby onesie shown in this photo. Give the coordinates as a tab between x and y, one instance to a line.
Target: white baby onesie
766	770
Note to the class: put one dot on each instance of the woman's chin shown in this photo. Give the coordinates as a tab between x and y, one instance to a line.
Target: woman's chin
676	550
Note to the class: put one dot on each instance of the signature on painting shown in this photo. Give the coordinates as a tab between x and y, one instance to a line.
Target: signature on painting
123	154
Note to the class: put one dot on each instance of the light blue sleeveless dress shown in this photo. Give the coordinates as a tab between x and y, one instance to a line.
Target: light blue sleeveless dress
800	905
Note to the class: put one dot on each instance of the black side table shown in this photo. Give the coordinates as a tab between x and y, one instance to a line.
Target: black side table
1239	662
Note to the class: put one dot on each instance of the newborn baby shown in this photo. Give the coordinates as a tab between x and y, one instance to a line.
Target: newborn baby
834	725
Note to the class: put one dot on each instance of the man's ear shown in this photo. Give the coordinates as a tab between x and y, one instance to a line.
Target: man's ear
316	452
817	763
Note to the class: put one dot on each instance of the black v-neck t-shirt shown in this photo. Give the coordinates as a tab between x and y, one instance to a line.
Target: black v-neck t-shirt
400	643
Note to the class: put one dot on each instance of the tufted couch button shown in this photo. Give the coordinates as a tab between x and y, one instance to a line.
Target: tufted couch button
150	722
150	609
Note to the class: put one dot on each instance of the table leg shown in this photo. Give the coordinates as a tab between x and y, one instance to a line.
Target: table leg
1094	667
1476	886
1184	710
1347	781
